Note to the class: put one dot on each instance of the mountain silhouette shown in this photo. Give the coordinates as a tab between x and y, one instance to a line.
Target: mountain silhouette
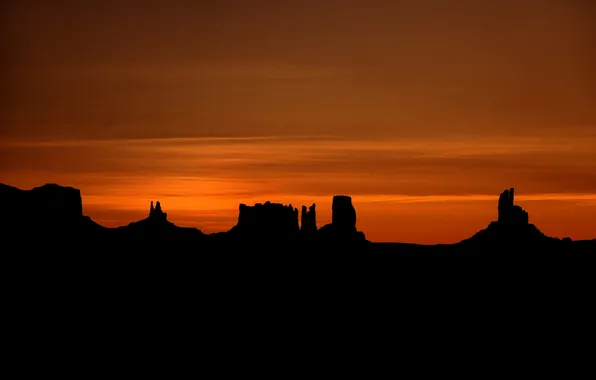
155	228
52	215
511	229
266	222
342	229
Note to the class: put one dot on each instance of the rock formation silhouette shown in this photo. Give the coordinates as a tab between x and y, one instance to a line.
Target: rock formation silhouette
343	223
48	202
50	212
343	212
156	228
511	230
52	216
156	213
510	213
266	221
308	221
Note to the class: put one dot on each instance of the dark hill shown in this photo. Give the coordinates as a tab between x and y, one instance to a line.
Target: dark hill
155	228
512	233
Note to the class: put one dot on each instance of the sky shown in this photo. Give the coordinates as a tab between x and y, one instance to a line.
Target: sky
422	111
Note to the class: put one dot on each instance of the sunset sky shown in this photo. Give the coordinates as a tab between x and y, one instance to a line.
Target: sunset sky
423	111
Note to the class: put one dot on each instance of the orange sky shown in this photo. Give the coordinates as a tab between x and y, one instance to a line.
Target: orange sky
422	111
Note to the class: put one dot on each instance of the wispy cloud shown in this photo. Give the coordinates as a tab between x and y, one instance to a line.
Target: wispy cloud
200	71
304	164
154	142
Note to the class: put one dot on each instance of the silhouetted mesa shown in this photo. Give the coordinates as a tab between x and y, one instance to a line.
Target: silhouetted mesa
510	213
50	202
50	211
268	221
343	212
308	222
343	223
51	216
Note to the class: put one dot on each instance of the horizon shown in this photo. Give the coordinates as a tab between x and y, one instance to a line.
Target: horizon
525	200
200	182
421	111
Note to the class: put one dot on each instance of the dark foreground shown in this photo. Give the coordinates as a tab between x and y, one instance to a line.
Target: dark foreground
268	281
189	249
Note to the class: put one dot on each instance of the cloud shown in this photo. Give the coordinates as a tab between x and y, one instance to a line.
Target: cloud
197	71
309	165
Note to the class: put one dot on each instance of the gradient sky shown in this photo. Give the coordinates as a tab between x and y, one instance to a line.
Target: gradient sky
423	111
